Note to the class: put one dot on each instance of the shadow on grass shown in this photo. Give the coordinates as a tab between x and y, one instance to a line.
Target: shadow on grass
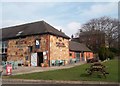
90	76
84	75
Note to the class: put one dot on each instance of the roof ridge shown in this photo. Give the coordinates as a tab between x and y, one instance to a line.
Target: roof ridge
50	30
40	27
44	23
25	23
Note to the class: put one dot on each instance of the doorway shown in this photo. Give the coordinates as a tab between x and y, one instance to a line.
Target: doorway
39	58
77	56
82	56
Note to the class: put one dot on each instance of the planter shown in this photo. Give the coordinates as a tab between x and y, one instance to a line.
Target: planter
28	65
42	64
45	65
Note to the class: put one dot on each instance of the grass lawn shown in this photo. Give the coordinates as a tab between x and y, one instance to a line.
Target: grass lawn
75	73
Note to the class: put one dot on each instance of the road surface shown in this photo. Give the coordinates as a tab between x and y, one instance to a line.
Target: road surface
21	82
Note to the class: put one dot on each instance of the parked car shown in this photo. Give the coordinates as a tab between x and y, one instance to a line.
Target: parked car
92	60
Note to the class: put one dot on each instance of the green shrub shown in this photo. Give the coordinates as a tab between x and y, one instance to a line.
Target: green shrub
115	51
111	55
101	53
104	53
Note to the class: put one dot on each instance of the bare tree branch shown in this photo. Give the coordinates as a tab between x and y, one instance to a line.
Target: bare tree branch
106	24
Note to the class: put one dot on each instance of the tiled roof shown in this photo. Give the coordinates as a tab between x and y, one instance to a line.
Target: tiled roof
78	47
75	39
40	27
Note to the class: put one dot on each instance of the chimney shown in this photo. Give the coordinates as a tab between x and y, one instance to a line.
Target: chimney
60	30
72	36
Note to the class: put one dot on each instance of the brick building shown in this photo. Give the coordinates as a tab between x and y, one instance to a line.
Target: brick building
79	51
34	44
38	39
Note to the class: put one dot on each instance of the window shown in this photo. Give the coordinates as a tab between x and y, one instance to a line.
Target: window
77	54
19	33
70	54
82	56
4	47
4	44
26	58
4	50
30	48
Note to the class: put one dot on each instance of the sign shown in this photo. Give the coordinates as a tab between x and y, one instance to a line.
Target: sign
9	69
37	42
45	57
21	41
59	44
34	59
44	53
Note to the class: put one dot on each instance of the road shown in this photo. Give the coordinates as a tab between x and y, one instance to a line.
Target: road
21	82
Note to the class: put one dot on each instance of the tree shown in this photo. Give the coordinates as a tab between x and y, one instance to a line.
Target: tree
94	39
105	53
108	25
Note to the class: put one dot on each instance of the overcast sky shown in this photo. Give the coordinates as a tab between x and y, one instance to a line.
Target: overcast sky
68	16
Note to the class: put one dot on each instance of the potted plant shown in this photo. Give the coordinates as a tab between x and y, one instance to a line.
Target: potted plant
42	64
45	64
28	63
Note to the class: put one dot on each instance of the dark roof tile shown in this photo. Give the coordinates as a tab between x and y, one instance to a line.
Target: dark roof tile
75	46
39	27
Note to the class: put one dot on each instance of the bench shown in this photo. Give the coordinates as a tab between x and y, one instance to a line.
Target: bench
97	67
58	62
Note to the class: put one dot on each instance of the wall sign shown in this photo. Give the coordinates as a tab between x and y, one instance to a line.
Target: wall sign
45	57
60	44
21	41
44	53
37	43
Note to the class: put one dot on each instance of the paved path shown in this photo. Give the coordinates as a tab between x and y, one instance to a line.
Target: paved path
25	70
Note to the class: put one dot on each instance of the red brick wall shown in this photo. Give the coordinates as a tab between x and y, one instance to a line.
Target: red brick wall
15	53
73	54
86	55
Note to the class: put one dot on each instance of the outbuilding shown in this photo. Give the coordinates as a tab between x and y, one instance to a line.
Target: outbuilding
79	51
